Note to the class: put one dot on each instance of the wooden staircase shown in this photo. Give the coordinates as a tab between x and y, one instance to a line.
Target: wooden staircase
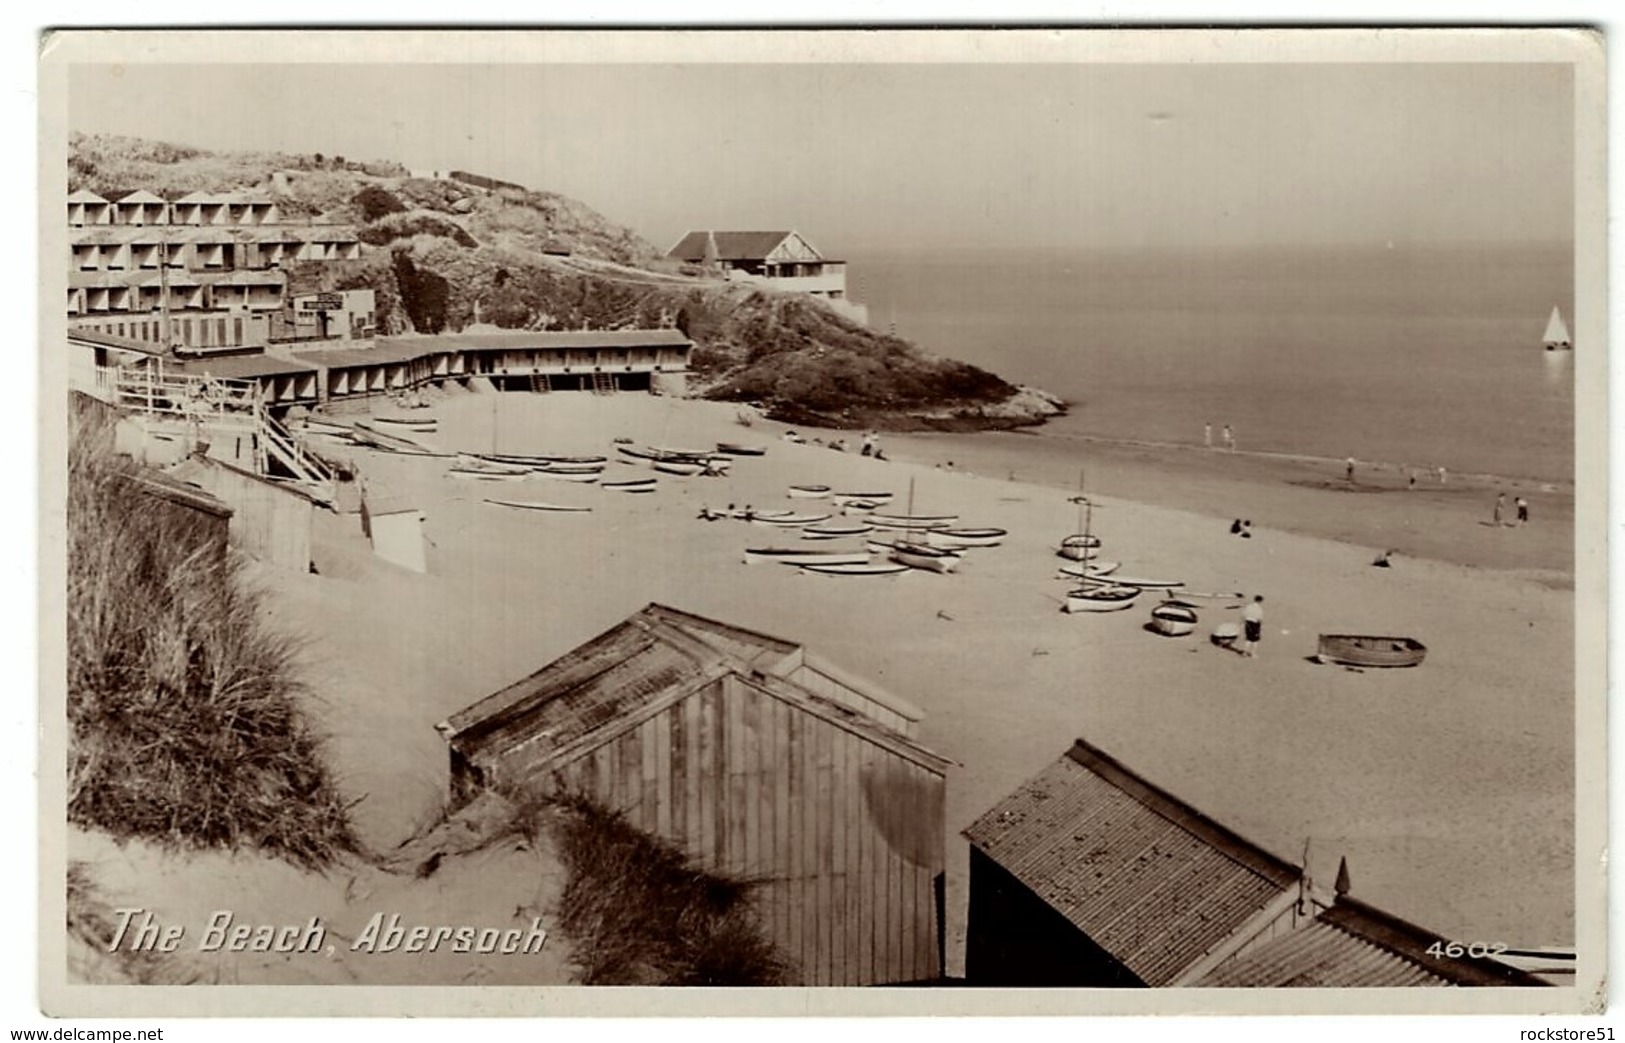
541	383
210	408
603	383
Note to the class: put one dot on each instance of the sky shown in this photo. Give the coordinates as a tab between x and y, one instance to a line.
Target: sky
924	156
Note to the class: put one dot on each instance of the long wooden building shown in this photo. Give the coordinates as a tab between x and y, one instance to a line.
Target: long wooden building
757	759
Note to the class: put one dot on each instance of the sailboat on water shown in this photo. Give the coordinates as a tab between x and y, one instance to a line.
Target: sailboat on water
1557	332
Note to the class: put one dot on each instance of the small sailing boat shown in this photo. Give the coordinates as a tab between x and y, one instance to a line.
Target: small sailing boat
1095	594
1557	332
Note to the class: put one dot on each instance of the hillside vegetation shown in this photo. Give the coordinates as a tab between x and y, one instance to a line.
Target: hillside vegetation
447	253
185	724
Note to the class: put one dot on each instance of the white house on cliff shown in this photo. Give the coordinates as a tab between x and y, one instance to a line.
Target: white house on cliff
782	260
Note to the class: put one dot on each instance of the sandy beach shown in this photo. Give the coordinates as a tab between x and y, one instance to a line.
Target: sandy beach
1448	787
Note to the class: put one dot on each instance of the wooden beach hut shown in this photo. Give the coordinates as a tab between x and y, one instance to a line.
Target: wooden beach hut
1090	876
755	758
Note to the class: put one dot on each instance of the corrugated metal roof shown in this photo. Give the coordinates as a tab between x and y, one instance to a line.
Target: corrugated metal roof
731	246
656	654
381	353
1150	879
242	367
543	339
1354	945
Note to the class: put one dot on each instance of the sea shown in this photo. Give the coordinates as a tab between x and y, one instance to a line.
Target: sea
1423	357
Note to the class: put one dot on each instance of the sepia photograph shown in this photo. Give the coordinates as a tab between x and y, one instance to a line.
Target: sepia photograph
962	521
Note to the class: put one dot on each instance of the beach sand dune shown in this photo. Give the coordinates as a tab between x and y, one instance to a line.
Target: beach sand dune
1449	787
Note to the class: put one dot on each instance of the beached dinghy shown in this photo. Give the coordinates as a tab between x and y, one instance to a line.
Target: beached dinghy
484	470
913	521
1174	619
834	532
809	492
735	449
1079	547
524	505
413	423
790	520
686	468
863	501
569	476
1145	583
1364	650
630	485
873	568
928	559
1091	569
805	556
951	538
1101	597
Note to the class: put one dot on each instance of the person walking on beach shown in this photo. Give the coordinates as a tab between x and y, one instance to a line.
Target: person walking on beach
1348	469
1207	435
1252	621
1523	510
1500	506
1229	439
1441	475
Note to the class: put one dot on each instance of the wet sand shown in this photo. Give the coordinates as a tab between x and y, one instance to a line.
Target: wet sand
1450	787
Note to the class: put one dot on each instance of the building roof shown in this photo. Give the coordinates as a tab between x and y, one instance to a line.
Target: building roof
174	490
382	353
85	195
1149	878
243	367
1354	945
108	340
140	195
651	660
332	234
543	339
731	246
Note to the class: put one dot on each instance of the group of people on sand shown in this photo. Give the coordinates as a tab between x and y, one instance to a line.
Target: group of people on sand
1519	504
870	444
1228	436
1242	527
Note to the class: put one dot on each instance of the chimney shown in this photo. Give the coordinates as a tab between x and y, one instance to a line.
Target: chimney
1342	885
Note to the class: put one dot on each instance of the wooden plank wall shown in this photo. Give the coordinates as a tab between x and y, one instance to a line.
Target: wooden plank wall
271	524
754	787
814	680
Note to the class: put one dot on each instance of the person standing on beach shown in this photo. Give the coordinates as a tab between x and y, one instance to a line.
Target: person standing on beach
1229	439
1441	475
1207	435
1348	469
1523	510
1252	621
1500	506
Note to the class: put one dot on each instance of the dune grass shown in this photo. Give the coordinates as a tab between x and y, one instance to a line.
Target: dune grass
183	704
636	911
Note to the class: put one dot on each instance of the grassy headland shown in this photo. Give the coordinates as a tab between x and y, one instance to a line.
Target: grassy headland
447	253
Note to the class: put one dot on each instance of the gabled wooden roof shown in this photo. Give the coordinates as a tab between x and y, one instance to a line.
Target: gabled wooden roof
1149	878
731	246
653	659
